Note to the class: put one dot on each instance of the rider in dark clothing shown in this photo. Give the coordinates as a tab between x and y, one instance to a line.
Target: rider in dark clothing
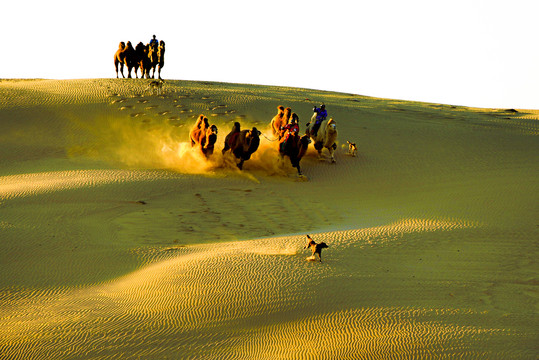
321	115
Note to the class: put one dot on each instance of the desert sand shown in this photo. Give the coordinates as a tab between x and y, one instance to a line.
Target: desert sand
118	240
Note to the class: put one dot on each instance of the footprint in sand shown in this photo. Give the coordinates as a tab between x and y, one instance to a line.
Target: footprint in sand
186	111
126	107
137	114
175	122
119	101
179	106
150	107
142	101
162	113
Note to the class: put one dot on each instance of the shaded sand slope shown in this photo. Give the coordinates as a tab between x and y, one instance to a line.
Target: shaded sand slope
119	240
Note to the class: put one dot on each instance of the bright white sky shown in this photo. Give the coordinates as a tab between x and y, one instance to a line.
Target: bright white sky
482	53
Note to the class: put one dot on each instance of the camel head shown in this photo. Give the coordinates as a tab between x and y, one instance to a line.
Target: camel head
331	126
304	142
121	46
212	130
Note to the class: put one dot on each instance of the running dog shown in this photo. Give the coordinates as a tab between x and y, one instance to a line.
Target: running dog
315	248
352	148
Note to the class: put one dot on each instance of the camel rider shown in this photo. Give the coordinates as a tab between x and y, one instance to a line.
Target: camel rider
292	128
154	42
321	115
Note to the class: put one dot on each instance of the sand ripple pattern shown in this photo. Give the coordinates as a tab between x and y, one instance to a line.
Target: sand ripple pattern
244	300
23	185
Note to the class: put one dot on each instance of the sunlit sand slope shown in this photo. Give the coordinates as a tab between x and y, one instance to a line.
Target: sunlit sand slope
261	299
120	240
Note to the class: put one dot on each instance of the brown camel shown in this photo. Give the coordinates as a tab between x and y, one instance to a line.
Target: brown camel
203	135
277	121
160	57
125	55
295	147
152	55
244	145
142	60
119	58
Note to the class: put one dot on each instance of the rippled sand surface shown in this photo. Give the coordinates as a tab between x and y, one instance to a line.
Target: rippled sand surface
118	240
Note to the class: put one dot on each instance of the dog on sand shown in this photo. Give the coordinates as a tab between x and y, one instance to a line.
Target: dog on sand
155	86
352	148
315	248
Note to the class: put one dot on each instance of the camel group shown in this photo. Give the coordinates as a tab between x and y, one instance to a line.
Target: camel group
243	143
297	145
145	58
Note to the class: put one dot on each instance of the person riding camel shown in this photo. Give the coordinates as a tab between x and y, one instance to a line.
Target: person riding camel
154	42
292	128
321	115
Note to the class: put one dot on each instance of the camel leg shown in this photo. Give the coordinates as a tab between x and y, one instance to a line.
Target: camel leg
240	164
121	70
332	154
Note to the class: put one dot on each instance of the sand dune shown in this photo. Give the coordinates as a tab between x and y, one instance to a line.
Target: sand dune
120	240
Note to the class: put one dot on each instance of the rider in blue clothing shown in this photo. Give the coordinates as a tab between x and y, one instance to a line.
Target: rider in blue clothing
321	115
154	42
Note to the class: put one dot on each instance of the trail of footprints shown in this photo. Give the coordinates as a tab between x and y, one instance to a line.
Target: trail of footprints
179	110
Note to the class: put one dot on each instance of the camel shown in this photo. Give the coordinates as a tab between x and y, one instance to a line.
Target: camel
152	55
119	57
160	57
125	55
230	139
243	145
277	122
325	138
142	60
295	147
204	135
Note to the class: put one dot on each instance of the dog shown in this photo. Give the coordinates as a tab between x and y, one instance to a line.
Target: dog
315	248
155	86
352	148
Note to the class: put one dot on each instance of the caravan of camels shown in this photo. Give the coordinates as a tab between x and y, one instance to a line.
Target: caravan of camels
144	57
242	143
